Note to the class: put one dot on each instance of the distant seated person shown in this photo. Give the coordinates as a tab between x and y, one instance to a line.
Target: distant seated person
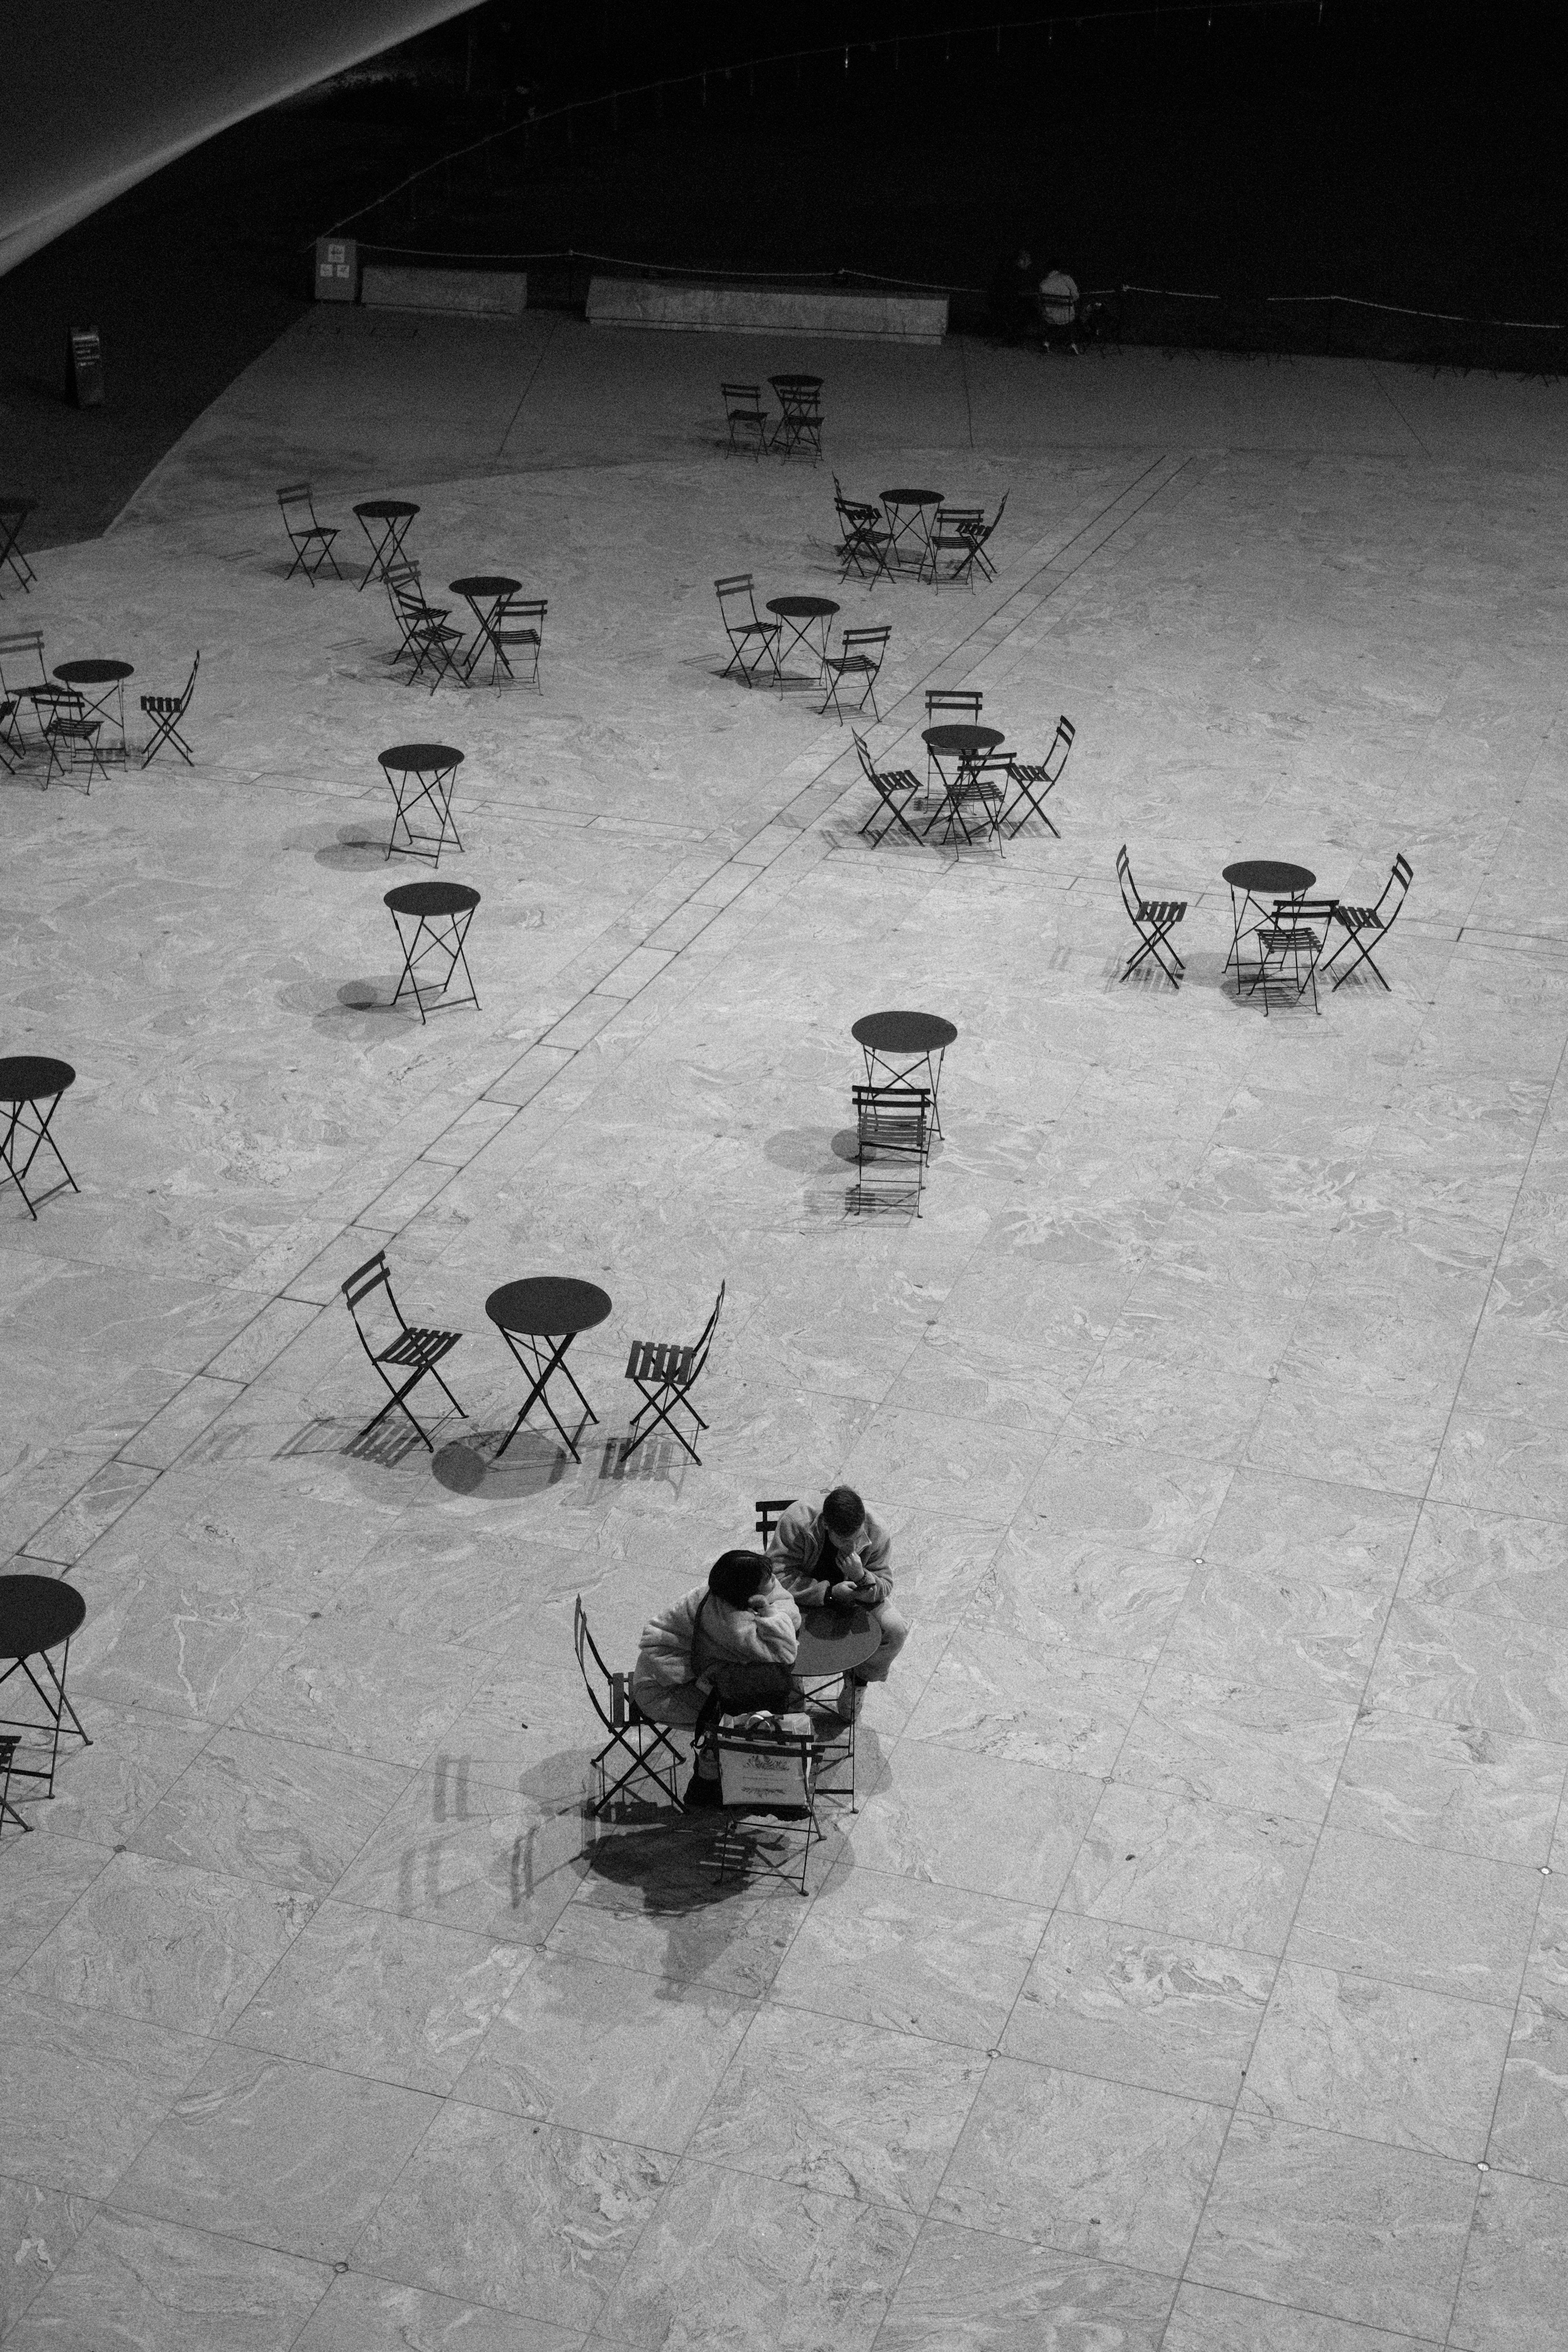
1012	297
1059	311
726	1644
840	1557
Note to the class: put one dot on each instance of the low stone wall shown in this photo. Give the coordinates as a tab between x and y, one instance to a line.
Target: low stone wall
765	311
466	293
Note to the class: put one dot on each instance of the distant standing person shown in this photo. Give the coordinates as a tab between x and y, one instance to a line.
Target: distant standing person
1059	311
840	1557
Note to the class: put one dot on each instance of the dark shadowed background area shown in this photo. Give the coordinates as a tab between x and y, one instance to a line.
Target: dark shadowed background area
1401	154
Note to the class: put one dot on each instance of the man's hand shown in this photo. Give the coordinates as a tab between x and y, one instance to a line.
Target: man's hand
844	1596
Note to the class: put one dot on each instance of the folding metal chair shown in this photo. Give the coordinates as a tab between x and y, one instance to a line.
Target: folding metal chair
893	1124
1362	924
860	656
864	539
745	416
768	1790
800	414
945	708
13	514
310	541
17	654
1153	919
519	621
8	1746
1034	781
640	1740
665	1373
72	737
428	638
894	788
752	640
974	797
411	1349
1289	945
979	559
951	541
165	711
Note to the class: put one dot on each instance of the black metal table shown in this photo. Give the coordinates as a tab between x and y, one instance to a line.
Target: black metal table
539	1317
1253	881
961	740
13	514
29	1082
440	913
421	772
385	522
900	1042
799	616
38	1614
484	594
908	514
110	676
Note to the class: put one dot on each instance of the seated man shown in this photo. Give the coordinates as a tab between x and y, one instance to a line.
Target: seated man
735	1636
1059	311
840	1556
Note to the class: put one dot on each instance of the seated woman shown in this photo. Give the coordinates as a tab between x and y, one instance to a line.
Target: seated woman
735	1636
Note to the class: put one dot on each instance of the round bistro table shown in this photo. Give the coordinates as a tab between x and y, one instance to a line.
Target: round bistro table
27	1082
484	594
900	1042
539	1317
1253	880
799	616
960	740
422	772
385	522
440	913
110	675
908	514
38	1614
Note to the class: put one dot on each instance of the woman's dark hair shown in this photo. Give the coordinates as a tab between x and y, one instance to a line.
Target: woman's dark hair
843	1510
735	1576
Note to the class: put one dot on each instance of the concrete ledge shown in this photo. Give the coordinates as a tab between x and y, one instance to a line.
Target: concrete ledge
468	293
765	311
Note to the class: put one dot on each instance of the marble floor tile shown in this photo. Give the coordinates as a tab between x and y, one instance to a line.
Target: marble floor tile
852	2110
1379	2061
359	2314
457	1851
251	1806
892	1951
1460	1667
387	1698
82	2090
972	2291
1127	2169
39	2228
1514	2288
288	2155
941	1814
160	1941
606	2049
103	1791
1231	1743
374	1993
1486	1563
1160	2012
1439	1784
1530	2133
1184	1866
1339	2226
1440	1922
728	2258
1205	2320
995	1694
131	2285
1285	1634
501	2211
40	1879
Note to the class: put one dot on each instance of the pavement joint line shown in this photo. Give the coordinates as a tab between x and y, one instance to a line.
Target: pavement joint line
814	832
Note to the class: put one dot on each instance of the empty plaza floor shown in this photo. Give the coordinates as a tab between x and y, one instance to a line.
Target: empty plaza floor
1194	1974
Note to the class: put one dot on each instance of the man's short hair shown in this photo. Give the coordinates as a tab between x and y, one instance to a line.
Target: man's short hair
843	1510
735	1576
